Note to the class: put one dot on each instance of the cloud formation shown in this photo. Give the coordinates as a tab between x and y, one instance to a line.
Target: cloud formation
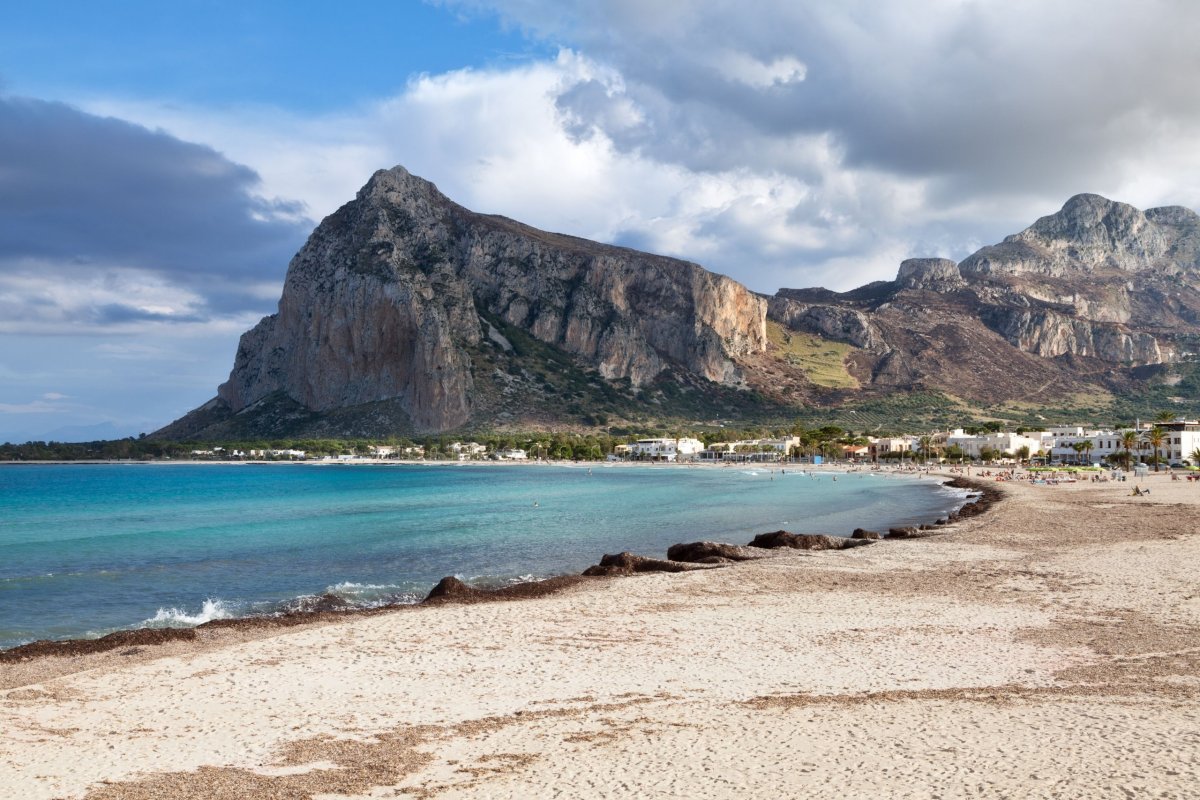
103	222
925	128
1010	93
787	143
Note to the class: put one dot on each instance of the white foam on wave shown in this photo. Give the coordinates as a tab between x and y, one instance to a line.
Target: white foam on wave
351	588
178	618
373	595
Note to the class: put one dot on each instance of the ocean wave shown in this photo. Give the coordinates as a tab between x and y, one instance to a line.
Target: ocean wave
178	618
352	588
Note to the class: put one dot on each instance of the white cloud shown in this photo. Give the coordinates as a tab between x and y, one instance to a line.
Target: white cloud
759	74
500	141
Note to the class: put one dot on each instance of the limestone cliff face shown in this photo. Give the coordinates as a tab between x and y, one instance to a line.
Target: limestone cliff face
383	303
850	325
1049	334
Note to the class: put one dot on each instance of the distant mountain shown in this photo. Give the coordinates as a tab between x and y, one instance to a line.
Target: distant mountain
406	313
1098	297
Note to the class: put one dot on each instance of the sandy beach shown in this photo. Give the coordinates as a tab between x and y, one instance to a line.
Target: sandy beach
1050	647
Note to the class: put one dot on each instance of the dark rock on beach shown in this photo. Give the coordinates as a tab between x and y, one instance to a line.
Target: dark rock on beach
907	532
860	533
712	552
453	590
805	541
628	563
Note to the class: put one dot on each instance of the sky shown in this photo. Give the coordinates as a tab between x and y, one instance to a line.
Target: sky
160	163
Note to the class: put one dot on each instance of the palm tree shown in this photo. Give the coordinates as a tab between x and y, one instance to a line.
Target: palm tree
1155	439
1078	448
1129	441
1194	457
1086	446
925	443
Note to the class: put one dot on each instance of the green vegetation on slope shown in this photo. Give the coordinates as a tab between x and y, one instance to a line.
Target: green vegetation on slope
822	360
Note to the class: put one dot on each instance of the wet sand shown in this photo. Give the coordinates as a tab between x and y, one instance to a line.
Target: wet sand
1050	647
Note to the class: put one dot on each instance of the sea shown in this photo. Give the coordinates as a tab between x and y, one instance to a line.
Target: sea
87	549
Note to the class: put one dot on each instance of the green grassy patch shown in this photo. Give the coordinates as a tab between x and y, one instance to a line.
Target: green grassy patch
822	360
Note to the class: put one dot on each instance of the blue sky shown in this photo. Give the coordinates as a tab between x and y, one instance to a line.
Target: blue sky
160	162
303	56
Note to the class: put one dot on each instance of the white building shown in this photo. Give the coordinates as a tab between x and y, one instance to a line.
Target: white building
467	450
292	454
513	454
1009	444
1182	438
878	448
665	449
1104	444
750	450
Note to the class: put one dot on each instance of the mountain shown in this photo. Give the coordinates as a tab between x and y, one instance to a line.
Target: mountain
1095	298
406	313
421	316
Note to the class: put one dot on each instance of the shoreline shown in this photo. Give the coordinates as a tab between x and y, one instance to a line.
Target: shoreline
938	666
152	637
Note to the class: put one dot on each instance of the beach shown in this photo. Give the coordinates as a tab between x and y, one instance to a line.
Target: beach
1049	647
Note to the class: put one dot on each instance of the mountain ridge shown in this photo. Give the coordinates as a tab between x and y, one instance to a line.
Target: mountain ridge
406	306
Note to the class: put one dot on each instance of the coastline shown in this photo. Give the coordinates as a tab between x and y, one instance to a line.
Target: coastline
1065	614
982	494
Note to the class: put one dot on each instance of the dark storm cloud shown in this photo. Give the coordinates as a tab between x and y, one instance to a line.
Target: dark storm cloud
81	194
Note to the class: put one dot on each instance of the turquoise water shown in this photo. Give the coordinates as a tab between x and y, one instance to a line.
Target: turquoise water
88	549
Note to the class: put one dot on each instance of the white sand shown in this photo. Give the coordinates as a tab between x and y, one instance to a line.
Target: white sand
1049	648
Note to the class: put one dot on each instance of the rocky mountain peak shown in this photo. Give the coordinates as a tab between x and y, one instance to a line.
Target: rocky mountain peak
389	302
1092	234
932	274
1096	228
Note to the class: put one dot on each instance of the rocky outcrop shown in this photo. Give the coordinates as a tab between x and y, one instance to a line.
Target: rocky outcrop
384	302
712	552
930	274
906	532
1097	289
1092	233
451	590
805	541
835	322
862	533
1048	334
629	563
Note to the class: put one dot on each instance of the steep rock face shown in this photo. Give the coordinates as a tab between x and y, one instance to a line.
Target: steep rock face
383	303
933	274
1049	334
835	322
